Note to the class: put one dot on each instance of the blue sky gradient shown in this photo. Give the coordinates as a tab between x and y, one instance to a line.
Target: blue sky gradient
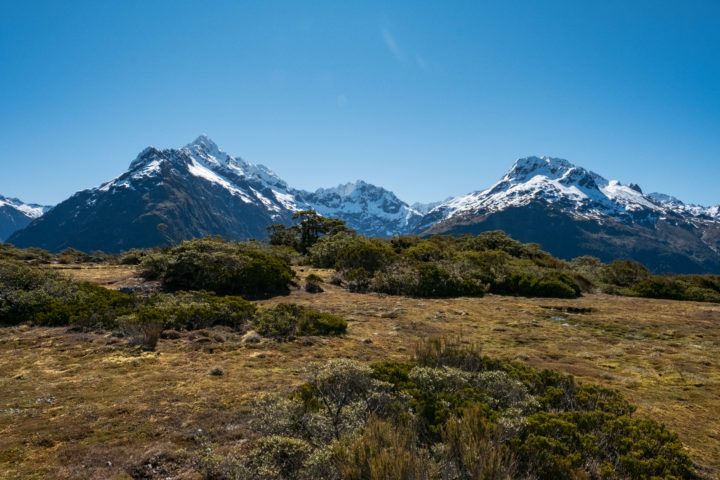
428	99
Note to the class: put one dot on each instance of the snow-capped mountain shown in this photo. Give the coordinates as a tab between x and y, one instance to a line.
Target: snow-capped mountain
16	214
166	196
173	194
580	192
679	207
364	207
572	211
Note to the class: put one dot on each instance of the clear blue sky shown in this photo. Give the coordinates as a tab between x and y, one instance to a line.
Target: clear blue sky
427	98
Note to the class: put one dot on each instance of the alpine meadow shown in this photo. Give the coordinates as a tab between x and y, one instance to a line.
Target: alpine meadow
525	285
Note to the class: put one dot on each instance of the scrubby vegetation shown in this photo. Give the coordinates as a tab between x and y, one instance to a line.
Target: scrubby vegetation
448	412
43	297
312	283
212	263
443	266
288	320
452	413
625	277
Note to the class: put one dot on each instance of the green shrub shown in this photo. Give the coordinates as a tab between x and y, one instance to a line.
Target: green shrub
659	287
198	310
553	284
312	283
358	279
224	267
624	273
25	289
35	255
287	320
368	254
43	297
492	419
71	255
91	306
133	257
326	251
426	251
700	288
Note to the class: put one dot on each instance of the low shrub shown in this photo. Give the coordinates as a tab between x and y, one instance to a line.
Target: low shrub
288	320
200	309
491	419
624	273
312	283
227	268
44	297
91	306
553	284
141	329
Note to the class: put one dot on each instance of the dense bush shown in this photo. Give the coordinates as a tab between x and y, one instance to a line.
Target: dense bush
701	288
35	255
368	254
624	273
553	284
91	306
444	266
454	413
44	297
198	310
223	267
287	320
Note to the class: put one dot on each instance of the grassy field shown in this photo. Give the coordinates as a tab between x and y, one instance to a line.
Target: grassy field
84	405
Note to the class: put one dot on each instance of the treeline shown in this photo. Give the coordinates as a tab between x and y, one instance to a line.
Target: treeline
451	413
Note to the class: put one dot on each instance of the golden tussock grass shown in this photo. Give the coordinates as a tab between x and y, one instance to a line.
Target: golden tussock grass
84	405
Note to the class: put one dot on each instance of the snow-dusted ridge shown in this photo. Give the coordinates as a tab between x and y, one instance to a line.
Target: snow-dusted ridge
16	214
169	195
376	211
30	210
582	193
367	208
363	206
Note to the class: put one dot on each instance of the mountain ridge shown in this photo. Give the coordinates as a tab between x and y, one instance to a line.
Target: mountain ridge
167	195
16	214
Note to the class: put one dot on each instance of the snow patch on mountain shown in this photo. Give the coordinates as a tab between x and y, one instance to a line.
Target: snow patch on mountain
30	210
364	206
201	171
674	204
582	193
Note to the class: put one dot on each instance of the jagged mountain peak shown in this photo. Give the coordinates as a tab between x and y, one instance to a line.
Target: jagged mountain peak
205	142
561	170
351	188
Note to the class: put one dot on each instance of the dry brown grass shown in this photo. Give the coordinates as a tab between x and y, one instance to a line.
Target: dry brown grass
110	276
87	406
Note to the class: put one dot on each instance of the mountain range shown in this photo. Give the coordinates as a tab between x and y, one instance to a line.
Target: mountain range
169	195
